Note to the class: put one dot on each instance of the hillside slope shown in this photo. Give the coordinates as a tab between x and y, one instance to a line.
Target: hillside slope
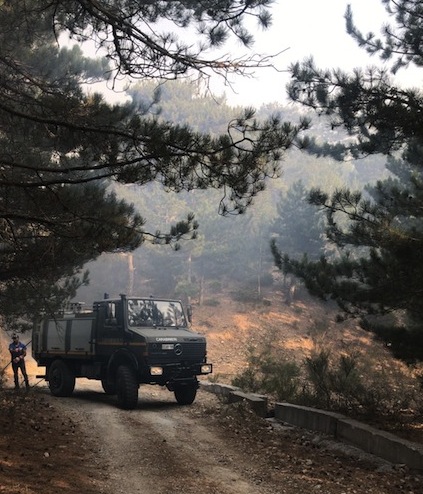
233	328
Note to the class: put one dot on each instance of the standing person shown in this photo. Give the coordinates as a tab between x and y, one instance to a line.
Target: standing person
18	353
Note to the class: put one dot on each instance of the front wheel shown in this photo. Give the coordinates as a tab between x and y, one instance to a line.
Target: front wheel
127	388
61	379
185	393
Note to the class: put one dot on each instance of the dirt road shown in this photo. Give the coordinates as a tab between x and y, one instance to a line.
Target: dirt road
162	448
159	448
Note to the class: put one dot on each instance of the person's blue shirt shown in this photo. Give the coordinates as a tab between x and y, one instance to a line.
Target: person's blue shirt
17	349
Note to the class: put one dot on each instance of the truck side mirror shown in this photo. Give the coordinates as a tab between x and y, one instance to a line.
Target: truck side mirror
189	313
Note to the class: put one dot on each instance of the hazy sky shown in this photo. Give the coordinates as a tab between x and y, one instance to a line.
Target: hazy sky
303	28
310	27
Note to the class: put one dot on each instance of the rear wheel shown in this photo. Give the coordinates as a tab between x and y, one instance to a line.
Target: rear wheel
126	387
61	379
185	393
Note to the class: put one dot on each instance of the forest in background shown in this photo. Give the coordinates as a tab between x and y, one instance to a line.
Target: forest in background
82	177
232	250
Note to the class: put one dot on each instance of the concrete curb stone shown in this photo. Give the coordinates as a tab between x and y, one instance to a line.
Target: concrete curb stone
374	441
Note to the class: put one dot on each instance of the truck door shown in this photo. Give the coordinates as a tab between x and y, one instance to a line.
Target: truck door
109	326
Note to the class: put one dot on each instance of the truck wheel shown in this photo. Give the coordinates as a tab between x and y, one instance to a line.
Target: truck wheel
185	394
109	387
126	387
61	379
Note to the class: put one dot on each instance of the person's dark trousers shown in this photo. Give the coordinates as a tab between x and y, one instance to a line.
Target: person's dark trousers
16	366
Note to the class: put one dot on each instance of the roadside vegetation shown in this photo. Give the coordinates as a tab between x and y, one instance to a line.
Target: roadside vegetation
387	393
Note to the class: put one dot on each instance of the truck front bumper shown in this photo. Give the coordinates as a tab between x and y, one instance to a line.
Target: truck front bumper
196	369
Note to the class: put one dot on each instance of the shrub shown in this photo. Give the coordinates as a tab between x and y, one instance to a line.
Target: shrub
247	380
245	295
268	375
318	384
281	379
336	385
349	383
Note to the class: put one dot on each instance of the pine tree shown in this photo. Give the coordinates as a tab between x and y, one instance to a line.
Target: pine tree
298	226
380	271
60	148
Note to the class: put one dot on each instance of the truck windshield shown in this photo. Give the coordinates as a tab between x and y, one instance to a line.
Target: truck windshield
150	312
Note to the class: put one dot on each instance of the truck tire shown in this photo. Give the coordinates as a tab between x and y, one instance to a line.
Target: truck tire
126	387
109	387
185	394
61	379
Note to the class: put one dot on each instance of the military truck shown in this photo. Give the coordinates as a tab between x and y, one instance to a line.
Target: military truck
123	342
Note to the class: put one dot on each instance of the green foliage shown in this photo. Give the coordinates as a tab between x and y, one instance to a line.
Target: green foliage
397	44
185	103
379	231
60	148
227	249
336	385
380	270
298	226
280	379
404	341
247	380
265	374
245	294
350	383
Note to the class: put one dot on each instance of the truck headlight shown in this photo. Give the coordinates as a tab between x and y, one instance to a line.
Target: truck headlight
206	369
156	371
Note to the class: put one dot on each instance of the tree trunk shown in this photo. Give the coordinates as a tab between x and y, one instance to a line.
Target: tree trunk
131	272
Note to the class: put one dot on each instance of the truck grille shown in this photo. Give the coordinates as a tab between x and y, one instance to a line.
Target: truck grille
181	352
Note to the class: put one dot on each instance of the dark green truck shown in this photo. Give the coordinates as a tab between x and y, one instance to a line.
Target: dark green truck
123	342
